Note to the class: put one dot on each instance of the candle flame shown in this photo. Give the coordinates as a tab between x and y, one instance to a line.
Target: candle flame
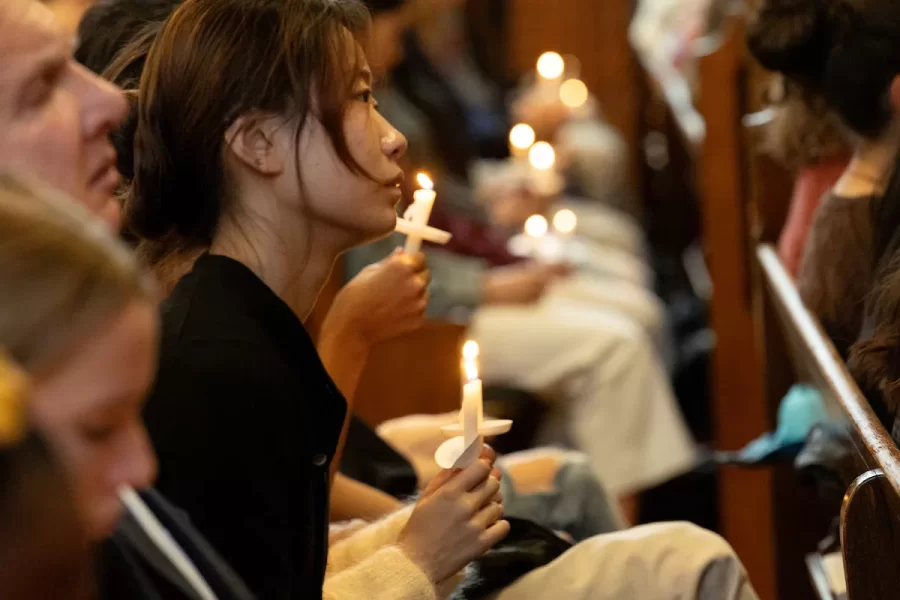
573	93
424	181
470	352
542	156
550	65
471	370
565	221
536	226
521	136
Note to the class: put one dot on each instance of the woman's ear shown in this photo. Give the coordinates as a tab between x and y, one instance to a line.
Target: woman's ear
251	139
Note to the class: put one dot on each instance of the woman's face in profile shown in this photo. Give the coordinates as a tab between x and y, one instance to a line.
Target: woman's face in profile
89	407
364	207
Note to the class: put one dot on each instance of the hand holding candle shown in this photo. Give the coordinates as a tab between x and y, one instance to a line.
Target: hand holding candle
461	450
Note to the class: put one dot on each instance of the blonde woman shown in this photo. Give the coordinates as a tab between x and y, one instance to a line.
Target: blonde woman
81	319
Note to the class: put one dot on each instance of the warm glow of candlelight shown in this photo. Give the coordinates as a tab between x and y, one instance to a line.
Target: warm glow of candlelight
550	65
573	93
536	226
470	352
424	181
521	136
565	221
542	156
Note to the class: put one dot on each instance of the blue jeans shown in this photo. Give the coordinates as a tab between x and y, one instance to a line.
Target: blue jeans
577	505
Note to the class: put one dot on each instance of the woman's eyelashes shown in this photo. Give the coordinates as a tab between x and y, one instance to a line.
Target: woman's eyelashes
368	97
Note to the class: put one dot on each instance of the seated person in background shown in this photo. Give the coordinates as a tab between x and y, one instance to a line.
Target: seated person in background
460	46
854	69
43	545
808	138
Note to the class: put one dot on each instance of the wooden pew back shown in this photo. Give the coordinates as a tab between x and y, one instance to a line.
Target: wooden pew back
870	516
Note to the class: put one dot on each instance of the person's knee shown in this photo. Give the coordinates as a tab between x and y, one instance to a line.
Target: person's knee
535	471
702	542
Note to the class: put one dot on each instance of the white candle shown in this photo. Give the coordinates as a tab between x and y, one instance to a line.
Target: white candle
543	176
419	211
471	427
543	247
564	222
472	411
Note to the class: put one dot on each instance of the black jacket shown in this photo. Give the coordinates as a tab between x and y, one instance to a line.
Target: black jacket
245	421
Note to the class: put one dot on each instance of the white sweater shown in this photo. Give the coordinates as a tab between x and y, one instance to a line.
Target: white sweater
369	564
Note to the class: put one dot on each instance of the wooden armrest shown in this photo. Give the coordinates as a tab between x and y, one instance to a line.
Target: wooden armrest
415	373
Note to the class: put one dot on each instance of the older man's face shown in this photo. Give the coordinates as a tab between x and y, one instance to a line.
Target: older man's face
55	116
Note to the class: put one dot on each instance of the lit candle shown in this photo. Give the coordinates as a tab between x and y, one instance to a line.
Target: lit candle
521	139
542	156
542	176
550	67
564	222
462	450
472	411
418	213
543	247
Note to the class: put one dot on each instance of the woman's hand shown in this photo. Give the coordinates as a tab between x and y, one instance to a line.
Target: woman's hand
385	300
457	519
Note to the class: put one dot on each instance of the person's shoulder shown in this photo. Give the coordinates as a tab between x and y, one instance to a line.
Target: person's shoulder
223	362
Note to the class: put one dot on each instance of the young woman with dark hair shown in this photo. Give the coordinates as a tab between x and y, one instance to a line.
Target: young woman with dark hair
847	54
257	139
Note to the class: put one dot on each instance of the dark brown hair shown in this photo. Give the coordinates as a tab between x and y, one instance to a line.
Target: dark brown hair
214	61
803	130
844	50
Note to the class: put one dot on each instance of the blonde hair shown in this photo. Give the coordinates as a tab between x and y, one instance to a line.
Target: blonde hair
61	273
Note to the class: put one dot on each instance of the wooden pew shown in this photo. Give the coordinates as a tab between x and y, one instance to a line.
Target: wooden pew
415	373
870	516
765	513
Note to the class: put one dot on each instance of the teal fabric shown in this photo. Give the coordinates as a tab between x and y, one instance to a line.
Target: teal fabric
801	409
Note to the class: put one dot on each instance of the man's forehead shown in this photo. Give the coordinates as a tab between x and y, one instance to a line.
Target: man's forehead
27	26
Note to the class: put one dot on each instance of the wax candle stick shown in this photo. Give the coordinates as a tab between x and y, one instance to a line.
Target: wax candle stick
545	248
472	412
461	450
543	176
550	69
419	211
564	222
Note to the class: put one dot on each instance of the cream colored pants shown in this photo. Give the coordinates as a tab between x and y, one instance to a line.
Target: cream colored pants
664	561
606	376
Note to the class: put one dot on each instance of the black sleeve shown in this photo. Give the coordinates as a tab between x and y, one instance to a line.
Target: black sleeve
230	446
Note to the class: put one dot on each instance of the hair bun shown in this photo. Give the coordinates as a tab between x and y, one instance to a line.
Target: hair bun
792	37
